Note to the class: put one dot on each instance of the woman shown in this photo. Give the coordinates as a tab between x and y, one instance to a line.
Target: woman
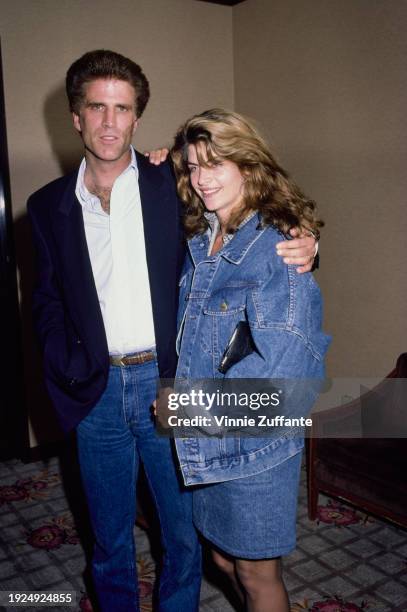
239	205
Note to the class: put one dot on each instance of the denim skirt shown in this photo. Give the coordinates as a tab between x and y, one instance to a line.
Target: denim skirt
252	517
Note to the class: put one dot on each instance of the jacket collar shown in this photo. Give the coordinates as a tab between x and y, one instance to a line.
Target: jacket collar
149	181
68	199
235	250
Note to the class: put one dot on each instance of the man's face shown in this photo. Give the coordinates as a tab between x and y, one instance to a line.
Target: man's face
107	119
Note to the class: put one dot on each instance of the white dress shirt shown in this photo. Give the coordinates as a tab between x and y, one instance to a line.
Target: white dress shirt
118	256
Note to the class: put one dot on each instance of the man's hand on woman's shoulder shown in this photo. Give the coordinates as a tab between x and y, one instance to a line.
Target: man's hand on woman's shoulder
157	156
300	251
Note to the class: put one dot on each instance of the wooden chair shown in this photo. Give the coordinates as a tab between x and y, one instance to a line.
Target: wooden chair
368	472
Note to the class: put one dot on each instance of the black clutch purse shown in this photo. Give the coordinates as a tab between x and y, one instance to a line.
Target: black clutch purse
239	346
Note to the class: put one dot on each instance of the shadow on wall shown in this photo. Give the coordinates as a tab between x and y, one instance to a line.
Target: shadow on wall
39	409
66	148
65	142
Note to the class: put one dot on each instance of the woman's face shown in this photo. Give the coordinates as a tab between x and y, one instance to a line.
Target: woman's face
219	184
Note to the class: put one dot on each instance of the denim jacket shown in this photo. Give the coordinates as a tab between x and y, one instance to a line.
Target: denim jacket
245	280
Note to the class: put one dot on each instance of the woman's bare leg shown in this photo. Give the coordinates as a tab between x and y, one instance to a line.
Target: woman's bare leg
263	585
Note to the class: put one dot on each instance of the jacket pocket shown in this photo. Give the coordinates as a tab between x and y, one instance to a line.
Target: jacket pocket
223	309
221	315
225	303
79	368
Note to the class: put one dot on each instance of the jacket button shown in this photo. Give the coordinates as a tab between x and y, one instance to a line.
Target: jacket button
223	306
72	382
79	341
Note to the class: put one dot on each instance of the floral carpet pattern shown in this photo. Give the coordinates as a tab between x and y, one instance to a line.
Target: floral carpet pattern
344	562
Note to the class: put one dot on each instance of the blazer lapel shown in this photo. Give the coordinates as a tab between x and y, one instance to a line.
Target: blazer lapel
161	234
76	271
153	206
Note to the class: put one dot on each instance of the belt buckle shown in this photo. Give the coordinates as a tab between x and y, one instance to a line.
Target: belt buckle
135	359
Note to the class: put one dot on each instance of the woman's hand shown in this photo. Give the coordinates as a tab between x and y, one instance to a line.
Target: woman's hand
157	156
301	251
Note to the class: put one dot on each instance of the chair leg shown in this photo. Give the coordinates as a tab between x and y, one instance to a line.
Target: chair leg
312	488
312	502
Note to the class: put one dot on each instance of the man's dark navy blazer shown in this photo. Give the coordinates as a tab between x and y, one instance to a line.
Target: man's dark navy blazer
66	306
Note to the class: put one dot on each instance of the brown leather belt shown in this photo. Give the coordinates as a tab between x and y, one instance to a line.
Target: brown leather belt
134	359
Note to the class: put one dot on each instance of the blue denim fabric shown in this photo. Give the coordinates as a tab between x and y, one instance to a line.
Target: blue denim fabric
112	440
246	280
253	517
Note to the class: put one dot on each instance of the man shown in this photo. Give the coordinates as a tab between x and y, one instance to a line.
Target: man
110	248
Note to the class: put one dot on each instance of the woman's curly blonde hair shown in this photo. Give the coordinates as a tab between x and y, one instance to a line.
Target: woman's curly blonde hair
224	134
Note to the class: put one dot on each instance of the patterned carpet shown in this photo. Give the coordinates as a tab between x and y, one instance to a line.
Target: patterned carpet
344	562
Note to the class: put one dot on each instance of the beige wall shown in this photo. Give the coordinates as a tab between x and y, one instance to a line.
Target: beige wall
324	78
40	39
327	80
169	38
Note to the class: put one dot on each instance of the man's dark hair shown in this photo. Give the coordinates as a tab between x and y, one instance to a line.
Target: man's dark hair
103	64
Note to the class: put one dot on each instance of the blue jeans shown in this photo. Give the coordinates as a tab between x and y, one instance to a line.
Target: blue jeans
112	440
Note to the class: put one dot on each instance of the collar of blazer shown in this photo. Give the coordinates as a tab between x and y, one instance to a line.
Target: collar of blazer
150	180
